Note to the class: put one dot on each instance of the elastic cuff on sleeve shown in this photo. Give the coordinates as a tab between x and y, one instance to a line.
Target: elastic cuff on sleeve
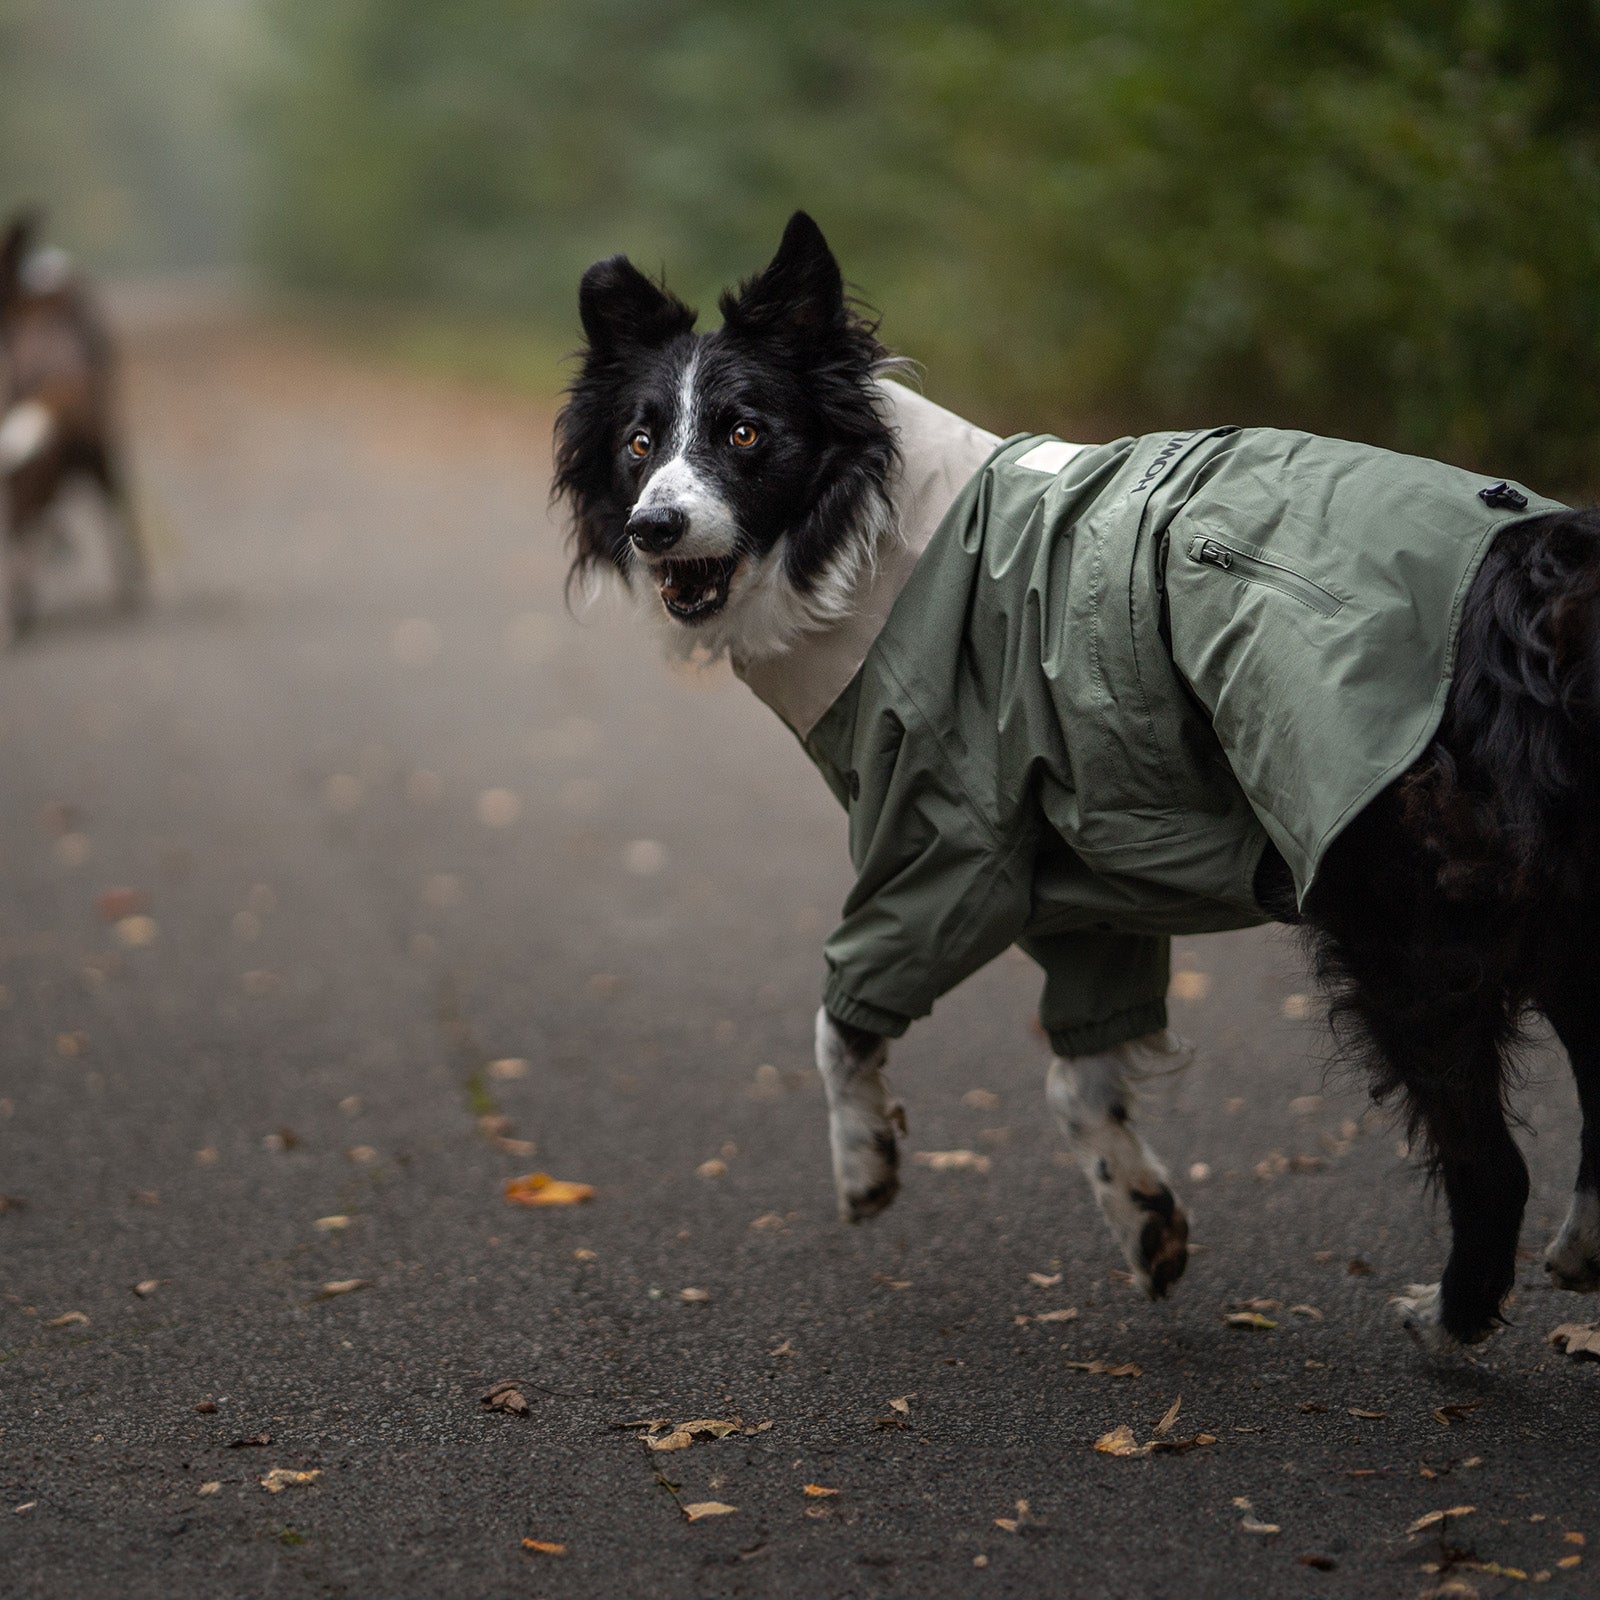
1134	1023
859	1014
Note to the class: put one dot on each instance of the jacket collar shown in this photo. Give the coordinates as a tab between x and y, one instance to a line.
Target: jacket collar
939	453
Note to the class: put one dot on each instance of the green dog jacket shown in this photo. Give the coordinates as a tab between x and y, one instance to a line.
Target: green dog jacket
1109	676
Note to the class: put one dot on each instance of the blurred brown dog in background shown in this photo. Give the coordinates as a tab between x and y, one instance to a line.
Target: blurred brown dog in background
57	422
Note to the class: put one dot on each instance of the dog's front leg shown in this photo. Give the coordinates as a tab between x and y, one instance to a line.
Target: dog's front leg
1090	1096
861	1118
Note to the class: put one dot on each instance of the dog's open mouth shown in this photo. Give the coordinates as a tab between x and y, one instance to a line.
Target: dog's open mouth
695	590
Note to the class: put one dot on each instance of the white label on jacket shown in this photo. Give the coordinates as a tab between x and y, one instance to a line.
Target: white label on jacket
1051	456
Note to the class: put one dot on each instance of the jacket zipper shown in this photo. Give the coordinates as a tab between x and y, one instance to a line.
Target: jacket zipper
1257	569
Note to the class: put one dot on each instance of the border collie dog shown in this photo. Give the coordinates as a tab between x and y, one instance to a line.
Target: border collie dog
1081	698
57	419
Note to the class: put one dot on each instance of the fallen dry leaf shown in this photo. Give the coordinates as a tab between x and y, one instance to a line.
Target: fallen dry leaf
146	1286
714	1168
1247	1526
951	1160
331	1224
1014	1524
1569	1562
213	1487
255	1441
1455	1410
1248	1319
540	1189
1577	1338
342	1286
68	1319
676	1440
902	1404
1045	1280
545	1547
1120	1441
815	1491
1434	1518
1066	1314
1108	1369
891	1283
695	1297
1164	1426
707	1508
280	1478
506	1396
784	1349
1365	1414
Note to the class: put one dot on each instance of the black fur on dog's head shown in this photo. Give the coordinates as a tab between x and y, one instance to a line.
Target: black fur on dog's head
737	470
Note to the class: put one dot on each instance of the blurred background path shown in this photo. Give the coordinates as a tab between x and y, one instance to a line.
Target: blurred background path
357	878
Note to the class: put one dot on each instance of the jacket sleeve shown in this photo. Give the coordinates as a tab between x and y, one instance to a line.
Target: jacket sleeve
936	896
1100	989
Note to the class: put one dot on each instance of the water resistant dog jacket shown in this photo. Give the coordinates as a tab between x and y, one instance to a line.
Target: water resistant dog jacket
1112	675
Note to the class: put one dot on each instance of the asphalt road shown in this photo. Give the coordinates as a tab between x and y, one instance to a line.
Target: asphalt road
356	811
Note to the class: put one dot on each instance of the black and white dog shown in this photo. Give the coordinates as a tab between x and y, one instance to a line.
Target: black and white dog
741	481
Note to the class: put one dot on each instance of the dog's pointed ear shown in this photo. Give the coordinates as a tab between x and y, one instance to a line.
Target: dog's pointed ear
622	308
800	291
15	244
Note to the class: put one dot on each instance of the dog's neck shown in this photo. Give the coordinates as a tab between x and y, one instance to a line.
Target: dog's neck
939	452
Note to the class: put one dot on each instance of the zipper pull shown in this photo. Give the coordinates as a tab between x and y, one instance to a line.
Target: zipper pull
1214	555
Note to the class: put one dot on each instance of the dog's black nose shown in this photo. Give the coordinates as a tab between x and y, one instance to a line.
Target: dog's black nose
657	528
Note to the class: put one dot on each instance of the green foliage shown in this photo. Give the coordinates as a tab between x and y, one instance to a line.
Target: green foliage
1381	218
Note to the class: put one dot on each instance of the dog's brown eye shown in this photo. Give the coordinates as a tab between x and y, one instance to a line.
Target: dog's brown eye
639	445
744	436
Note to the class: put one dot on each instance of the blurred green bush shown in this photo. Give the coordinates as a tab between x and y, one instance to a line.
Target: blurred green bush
1364	217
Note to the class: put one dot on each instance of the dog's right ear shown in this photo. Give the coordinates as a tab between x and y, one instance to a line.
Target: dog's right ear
622	309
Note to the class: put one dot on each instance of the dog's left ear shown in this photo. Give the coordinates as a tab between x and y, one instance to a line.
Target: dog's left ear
800	292
15	244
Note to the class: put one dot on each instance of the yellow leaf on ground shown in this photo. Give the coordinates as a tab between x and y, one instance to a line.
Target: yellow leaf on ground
707	1508
545	1547
1577	1338
1434	1518
341	1286
281	1478
1248	1319
951	1160
540	1189
1120	1441
815	1491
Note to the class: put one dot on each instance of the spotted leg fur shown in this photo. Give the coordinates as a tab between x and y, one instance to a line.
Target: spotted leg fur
862	1119
1090	1096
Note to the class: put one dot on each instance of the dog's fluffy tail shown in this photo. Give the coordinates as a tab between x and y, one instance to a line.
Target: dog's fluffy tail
26	431
1509	796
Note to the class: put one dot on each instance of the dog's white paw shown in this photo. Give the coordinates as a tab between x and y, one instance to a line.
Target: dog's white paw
866	1159
1147	1220
862	1120
1573	1259
1419	1312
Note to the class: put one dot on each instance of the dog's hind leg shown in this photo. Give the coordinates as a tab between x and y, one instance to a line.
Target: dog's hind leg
862	1119
1091	1096
129	568
1573	1008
